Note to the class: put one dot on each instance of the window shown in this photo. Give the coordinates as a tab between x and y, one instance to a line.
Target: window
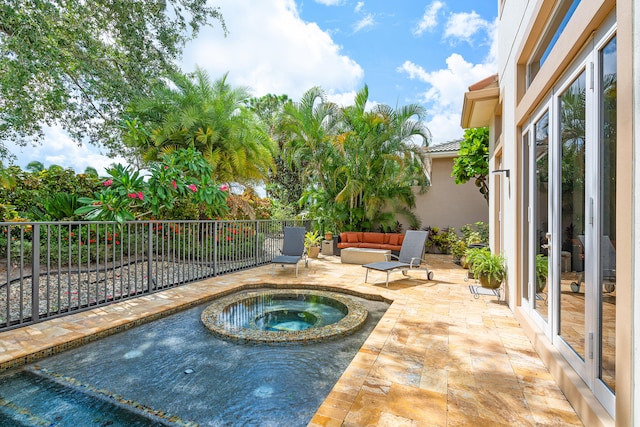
560	18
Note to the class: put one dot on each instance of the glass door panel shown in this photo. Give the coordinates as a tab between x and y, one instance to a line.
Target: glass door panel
527	223
572	117
607	234
541	214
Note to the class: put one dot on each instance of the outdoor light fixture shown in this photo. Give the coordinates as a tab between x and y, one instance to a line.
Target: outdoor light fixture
505	171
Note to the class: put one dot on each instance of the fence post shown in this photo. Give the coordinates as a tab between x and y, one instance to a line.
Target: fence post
150	281
215	248
35	271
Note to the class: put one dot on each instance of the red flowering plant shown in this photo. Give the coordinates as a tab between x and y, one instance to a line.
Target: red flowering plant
182	174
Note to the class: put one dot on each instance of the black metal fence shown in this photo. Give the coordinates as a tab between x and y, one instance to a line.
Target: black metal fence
50	269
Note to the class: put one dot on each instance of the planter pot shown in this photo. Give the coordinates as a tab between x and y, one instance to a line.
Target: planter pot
485	282
541	284
463	262
314	251
328	236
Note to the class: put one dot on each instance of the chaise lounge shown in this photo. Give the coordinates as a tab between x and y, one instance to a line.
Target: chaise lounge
292	248
410	258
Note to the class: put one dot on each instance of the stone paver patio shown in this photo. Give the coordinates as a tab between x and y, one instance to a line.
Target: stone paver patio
438	357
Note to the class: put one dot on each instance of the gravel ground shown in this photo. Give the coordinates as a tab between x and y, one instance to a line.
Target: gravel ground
70	290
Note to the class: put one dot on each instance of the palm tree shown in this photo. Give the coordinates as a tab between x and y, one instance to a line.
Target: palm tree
311	124
212	118
383	157
359	165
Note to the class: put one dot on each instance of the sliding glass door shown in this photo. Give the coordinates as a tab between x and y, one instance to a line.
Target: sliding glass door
569	196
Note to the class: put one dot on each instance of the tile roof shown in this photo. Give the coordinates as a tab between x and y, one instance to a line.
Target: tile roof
445	147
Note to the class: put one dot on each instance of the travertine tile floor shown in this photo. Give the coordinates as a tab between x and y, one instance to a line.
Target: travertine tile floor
438	357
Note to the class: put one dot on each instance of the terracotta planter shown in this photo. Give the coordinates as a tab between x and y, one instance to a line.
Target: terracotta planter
314	251
328	236
485	282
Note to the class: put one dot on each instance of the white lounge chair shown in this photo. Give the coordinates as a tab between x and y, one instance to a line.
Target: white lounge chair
410	257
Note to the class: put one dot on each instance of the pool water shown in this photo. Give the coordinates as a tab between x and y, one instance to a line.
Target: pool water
174	371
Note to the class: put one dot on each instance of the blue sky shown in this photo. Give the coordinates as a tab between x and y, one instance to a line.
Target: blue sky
406	51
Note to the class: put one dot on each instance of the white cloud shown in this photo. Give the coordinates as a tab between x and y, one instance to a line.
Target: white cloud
429	19
465	25
358	7
329	2
342	99
270	49
445	88
367	21
59	149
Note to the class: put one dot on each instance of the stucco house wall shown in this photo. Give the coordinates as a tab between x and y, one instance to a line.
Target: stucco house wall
447	204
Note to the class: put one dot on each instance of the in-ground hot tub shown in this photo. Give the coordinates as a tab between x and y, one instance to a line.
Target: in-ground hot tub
284	316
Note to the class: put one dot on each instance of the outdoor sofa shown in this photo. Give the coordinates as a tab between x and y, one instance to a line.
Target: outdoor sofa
371	240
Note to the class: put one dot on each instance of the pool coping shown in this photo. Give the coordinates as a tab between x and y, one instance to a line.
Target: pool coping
113	322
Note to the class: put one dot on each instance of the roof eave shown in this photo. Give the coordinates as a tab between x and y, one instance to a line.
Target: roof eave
479	107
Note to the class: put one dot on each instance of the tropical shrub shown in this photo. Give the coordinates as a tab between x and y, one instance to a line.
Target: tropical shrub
437	240
32	190
182	174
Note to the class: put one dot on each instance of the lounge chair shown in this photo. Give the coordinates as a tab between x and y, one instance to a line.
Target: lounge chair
292	248
410	257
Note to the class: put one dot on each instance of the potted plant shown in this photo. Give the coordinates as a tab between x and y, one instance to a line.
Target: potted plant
469	255
312	241
328	235
542	271
489	269
458	247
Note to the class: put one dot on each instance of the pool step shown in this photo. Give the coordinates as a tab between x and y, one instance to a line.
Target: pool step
155	417
17	416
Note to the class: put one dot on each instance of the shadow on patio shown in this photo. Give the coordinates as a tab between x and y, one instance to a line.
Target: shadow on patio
438	357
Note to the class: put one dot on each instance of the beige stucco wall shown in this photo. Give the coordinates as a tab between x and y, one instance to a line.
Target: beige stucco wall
447	204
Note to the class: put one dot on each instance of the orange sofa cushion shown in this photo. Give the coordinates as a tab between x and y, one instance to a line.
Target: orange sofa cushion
372	240
394	239
352	237
368	237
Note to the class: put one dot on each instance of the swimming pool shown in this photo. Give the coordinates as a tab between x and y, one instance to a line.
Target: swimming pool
174	371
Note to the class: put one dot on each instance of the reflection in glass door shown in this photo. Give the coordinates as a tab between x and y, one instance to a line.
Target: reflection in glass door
572	117
541	217
607	225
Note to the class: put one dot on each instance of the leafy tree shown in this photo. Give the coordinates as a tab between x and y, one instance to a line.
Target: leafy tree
35	167
90	171
78	63
473	160
7	180
285	182
210	117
